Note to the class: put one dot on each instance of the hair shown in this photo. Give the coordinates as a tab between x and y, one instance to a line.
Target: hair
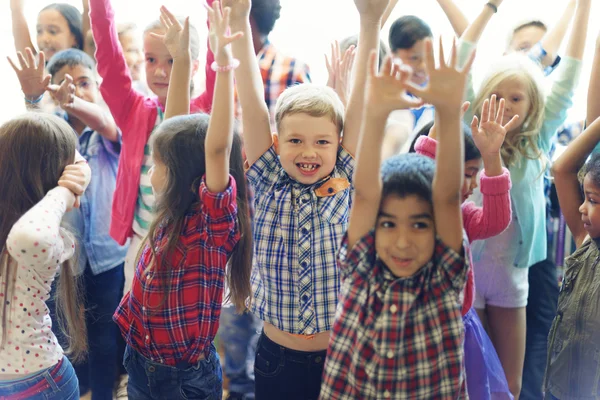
179	144
34	150
534	23
71	58
353	41
592	167
126	28
406	175
471	150
525	143
311	99
265	13
406	31
73	18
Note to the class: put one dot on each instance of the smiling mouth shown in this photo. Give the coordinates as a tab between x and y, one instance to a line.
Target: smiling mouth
402	262
308	169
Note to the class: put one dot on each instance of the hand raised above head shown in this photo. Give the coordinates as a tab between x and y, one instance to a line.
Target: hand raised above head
31	73
177	37
489	133
240	9
372	9
218	35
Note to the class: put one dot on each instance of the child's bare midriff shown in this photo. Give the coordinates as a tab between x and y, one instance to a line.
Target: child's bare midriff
292	341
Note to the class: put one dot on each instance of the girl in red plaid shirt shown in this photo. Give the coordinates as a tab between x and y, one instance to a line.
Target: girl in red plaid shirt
171	315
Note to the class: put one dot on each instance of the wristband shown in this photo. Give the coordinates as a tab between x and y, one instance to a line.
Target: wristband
493	7
36	100
226	68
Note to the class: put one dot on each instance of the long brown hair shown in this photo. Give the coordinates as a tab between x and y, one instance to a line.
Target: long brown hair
34	150
179	145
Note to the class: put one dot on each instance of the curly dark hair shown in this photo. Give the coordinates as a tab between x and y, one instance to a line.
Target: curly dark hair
265	13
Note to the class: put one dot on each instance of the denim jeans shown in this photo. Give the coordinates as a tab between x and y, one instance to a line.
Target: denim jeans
287	374
541	309
55	383
102	294
239	333
151	380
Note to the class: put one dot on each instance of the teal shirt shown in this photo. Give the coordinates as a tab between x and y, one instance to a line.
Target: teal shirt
527	192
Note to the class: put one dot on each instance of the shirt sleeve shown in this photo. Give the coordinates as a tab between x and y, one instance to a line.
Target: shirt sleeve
361	258
426	146
453	265
37	240
464	51
220	213
116	87
345	163
265	171
494	217
559	101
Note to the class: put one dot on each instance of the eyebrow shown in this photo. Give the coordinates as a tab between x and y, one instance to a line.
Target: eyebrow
414	216
49	26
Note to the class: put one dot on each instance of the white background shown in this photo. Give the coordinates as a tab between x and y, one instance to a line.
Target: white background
306	28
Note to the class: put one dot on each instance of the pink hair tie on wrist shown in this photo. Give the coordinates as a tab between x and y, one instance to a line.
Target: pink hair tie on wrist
225	68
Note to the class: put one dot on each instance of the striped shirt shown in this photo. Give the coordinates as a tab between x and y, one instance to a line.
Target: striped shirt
397	338
144	208
297	231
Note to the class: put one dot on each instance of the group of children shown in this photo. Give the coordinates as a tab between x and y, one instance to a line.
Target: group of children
375	274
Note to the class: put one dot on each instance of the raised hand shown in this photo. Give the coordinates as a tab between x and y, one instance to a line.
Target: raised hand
489	133
31	74
63	94
218	36
372	9
177	37
386	90
339	69
446	86
240	9
433	131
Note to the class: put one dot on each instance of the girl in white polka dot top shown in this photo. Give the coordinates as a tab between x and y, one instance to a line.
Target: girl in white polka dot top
41	175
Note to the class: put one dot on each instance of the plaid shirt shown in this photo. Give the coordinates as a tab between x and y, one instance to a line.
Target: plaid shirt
182	329
297	232
398	338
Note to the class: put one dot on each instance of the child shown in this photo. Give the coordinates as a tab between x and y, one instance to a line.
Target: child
137	117
398	331
501	263
34	249
100	259
572	369
170	316
303	189
58	28
485	377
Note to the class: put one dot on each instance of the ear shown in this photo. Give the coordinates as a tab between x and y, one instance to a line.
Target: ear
276	142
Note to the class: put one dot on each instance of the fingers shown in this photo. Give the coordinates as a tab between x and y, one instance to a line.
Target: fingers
469	62
492	108
12	64
74	187
441	51
30	58
485	111
510	125
386	68
453	55
474	125
22	60
465	107
429	57
232	38
41	60
168	17
500	115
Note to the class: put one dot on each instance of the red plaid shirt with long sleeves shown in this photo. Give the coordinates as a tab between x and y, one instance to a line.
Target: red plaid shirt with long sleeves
183	327
397	338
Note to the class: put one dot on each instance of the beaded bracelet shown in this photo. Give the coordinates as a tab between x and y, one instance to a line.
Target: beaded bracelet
36	100
493	7
226	68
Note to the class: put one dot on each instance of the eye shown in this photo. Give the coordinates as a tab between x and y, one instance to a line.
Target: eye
150	60
295	141
387	224
591	201
171	61
323	142
52	31
468	176
39	31
420	225
516	99
84	84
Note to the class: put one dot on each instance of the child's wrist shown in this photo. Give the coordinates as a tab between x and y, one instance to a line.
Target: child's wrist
225	65
492	163
34	99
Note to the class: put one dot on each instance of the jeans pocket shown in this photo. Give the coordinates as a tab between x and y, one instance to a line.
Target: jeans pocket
267	364
200	387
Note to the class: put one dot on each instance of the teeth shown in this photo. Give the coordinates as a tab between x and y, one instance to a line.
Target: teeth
307	167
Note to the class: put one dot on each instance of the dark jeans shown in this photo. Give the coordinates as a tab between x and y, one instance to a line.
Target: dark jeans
541	309
102	294
281	373
150	380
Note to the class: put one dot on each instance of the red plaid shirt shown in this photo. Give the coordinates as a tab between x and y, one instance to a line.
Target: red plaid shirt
399	338
182	329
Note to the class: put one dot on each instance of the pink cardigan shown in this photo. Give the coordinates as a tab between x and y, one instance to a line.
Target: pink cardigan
479	222
134	113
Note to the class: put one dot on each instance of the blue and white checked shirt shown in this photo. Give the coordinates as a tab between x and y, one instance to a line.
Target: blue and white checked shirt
298	230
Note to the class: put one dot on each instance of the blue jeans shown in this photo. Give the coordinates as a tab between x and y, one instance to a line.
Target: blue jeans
55	383
239	335
150	380
102	294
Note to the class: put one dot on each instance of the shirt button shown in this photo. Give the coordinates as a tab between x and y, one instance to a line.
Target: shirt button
393	309
143	308
304	231
147	337
387	394
305	298
330	190
303	264
390	354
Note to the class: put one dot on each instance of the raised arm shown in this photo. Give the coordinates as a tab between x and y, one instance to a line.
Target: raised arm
32	76
565	171
593	100
388	11
370	12
219	138
85	28
20	29
576	43
90	114
386	91
445	91
457	18
553	39
475	30
249	84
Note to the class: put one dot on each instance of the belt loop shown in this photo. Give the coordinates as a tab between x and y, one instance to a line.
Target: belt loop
50	379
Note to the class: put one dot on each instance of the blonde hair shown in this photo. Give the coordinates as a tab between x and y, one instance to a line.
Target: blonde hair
314	100
524	143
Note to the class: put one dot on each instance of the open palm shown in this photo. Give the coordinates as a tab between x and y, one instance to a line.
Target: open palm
31	73
489	134
219	27
177	37
387	89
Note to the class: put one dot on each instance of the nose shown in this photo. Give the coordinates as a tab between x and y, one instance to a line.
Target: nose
78	92
160	72
582	208
402	240
309	153
473	183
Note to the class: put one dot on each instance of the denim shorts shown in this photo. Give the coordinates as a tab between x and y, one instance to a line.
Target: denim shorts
152	380
55	383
